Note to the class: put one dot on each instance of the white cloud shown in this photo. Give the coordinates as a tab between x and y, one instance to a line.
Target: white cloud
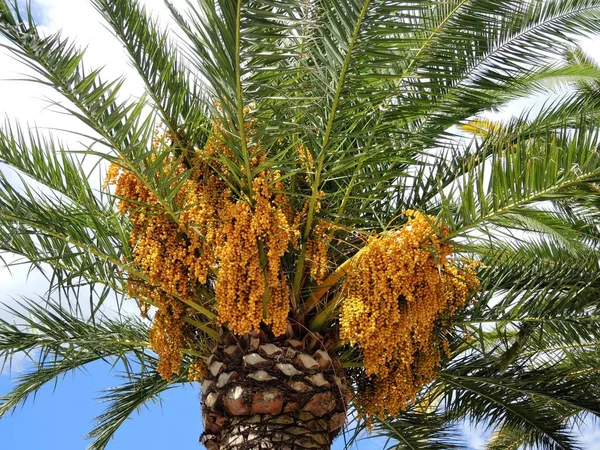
476	435
19	363
590	434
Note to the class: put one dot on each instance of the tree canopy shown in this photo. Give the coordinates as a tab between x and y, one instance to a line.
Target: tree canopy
331	127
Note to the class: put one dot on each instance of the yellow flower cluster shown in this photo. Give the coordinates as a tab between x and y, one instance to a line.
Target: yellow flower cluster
197	370
167	336
204	232
307	161
168	257
316	250
112	175
252	238
306	158
402	285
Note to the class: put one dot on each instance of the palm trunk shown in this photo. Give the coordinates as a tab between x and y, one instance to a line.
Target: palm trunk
283	394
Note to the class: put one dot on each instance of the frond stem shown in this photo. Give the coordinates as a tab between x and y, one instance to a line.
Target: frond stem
204	328
325	143
240	99
333	278
533	197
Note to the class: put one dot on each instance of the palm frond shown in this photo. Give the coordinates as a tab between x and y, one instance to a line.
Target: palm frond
506	438
536	397
51	215
419	431
58	64
230	43
59	342
177	96
544	166
537	280
122	126
122	401
77	244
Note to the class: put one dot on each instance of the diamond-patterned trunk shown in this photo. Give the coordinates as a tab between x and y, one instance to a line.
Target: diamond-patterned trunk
285	394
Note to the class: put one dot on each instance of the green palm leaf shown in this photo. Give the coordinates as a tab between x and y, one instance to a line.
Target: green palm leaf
61	342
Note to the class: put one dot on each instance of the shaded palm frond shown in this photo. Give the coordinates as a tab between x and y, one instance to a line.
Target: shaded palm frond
123	400
176	94
58	342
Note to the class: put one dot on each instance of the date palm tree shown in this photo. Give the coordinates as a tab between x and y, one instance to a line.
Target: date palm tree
315	217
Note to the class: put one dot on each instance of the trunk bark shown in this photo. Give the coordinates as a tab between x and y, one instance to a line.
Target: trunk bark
283	393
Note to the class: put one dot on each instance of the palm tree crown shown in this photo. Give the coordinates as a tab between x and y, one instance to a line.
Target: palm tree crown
319	176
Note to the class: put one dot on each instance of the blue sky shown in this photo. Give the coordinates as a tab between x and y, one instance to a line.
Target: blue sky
62	414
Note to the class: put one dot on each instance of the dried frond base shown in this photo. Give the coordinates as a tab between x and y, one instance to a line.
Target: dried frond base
283	394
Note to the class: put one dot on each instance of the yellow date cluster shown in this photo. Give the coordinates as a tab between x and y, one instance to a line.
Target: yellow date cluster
205	235
251	286
403	283
316	250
